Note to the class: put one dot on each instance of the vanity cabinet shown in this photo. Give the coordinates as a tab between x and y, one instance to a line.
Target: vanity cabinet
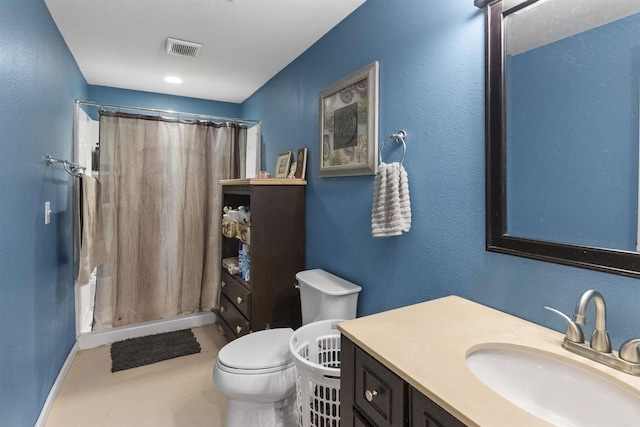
276	241
371	395
425	412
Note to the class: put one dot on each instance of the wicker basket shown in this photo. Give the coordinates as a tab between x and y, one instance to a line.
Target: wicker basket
228	228
243	233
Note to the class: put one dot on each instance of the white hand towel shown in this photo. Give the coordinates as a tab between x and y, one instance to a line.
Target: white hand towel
391	211
92	246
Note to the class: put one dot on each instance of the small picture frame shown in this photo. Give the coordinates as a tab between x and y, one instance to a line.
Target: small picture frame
282	164
349	125
301	163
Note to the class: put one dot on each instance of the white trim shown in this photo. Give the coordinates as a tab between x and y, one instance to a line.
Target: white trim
98	338
48	404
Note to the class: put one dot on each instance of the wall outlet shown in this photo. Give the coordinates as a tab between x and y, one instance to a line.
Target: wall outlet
47	212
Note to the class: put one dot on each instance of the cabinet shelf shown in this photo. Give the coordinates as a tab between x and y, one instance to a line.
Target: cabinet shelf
263	181
277	248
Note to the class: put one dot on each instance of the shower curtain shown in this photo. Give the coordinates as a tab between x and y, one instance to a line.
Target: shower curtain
162	208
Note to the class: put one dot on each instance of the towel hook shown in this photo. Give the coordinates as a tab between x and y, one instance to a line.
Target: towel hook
398	137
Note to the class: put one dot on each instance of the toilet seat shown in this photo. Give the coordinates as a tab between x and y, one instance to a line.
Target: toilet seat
257	353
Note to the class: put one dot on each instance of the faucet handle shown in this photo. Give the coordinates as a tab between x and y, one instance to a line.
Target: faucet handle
630	351
574	332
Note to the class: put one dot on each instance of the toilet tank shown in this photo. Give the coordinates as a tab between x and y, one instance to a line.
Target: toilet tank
324	296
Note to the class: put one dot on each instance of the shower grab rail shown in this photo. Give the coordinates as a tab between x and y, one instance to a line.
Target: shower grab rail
73	169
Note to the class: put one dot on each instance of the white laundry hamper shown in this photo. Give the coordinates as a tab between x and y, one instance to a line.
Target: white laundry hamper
316	351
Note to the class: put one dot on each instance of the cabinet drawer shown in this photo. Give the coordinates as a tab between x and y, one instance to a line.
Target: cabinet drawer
425	412
234	319
379	393
358	421
239	296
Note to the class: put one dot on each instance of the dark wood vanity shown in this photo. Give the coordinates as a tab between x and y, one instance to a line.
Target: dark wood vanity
277	252
371	395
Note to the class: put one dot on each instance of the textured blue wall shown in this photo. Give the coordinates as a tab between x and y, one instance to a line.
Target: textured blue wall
39	81
431	56
576	132
133	98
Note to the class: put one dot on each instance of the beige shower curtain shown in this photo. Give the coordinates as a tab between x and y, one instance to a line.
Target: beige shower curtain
162	208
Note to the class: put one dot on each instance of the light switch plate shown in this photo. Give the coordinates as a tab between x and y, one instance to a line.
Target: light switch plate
47	212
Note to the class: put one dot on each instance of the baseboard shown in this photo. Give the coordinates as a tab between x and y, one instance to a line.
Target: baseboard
48	404
96	339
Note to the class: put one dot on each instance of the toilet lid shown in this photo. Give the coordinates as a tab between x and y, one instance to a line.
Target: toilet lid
258	350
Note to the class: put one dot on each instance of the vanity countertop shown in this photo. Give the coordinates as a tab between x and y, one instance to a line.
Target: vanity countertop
426	345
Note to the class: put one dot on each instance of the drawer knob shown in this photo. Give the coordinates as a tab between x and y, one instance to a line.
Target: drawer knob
223	309
370	395
223	284
238	329
239	300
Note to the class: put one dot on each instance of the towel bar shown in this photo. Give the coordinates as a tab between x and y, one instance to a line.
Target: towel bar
73	169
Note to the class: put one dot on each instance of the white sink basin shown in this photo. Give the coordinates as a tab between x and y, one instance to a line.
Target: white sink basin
557	390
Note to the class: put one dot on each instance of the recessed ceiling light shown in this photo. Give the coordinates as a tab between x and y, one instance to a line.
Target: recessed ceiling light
173	79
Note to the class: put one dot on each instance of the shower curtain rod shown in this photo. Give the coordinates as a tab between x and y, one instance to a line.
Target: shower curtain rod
153	110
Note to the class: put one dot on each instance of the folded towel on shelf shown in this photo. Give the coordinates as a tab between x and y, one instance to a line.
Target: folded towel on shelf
391	211
92	247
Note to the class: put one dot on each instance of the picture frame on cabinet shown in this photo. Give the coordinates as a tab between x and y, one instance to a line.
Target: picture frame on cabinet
301	163
282	164
349	125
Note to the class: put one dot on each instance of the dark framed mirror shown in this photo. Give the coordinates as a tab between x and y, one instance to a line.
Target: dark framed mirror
562	131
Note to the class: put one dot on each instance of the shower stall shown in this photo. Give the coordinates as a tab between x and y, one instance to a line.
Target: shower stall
97	129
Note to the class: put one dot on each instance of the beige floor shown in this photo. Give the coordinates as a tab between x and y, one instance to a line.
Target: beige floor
176	392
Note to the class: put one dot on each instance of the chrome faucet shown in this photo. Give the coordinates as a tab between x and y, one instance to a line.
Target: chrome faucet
574	332
599	348
629	351
599	339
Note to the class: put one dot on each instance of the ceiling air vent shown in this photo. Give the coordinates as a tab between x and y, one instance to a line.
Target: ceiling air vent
183	48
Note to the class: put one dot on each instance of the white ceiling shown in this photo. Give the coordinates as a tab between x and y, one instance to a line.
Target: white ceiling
121	43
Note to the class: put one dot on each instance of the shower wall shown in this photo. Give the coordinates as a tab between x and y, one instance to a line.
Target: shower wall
86	135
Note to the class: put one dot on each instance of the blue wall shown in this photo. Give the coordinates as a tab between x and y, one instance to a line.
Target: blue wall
576	154
133	98
431	56
39	81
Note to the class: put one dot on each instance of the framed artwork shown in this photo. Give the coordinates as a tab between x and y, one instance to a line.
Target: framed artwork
349	125
282	164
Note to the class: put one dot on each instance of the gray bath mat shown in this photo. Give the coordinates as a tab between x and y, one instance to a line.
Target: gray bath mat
141	351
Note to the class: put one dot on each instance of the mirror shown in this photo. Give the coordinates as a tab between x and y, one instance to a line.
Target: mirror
563	96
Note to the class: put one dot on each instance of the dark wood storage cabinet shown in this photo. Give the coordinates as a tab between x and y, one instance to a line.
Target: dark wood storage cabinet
373	396
277	241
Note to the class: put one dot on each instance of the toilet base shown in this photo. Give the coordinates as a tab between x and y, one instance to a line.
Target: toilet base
278	414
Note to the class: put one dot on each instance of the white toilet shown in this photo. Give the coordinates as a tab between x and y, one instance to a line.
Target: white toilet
257	373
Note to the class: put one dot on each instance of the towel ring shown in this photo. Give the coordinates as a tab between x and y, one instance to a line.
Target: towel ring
399	139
